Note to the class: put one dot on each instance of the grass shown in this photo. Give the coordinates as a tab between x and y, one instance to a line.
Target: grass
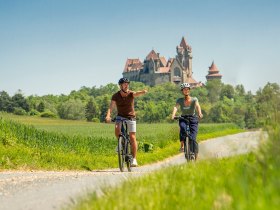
243	182
38	143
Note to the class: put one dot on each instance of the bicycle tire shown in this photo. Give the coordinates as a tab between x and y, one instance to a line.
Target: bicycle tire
187	149
121	153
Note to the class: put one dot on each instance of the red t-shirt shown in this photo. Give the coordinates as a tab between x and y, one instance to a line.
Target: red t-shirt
125	105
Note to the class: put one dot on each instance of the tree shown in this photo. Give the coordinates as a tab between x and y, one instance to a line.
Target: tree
6	102
214	89
104	102
251	117
41	107
72	110
91	110
227	91
268	102
201	93
222	111
20	102
240	90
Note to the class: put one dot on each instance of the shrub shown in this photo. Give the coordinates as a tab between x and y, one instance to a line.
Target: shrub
19	111
34	112
95	120
48	114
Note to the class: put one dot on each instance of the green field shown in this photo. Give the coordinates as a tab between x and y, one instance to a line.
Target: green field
39	143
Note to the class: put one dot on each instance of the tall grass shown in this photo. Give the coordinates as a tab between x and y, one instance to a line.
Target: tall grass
243	182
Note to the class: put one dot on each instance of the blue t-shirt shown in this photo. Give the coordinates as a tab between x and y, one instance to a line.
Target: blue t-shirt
187	110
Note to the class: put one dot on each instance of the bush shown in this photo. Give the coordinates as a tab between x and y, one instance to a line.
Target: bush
96	120
48	114
19	111
34	112
145	147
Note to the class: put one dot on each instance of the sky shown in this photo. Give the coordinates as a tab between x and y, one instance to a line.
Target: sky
56	46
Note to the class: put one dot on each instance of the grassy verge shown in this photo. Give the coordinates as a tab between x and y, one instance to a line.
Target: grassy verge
36	143
242	182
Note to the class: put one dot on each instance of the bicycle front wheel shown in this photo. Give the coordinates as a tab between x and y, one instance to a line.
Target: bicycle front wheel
121	152
187	149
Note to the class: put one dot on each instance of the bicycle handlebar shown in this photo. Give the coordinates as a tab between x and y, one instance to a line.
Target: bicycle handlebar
183	117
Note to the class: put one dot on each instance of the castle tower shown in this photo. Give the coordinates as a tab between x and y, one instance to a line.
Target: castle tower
184	56
213	73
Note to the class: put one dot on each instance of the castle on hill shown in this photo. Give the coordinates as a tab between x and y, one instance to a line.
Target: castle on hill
155	69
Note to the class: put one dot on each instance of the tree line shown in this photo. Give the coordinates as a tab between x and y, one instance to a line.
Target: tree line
220	103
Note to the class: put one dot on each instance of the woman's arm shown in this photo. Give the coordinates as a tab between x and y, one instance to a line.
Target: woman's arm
198	109
175	109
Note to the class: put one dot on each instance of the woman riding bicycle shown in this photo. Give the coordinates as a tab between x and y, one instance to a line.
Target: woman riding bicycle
189	107
124	101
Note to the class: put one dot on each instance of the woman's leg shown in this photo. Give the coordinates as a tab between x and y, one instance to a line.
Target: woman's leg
193	134
183	132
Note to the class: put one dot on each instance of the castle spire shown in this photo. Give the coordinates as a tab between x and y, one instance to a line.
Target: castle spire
184	43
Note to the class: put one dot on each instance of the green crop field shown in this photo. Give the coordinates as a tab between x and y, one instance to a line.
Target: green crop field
39	143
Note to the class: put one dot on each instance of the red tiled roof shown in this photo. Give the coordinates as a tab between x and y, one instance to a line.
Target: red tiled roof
191	80
213	67
164	69
132	64
152	55
163	61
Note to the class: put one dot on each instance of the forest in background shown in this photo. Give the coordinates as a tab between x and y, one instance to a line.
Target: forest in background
220	103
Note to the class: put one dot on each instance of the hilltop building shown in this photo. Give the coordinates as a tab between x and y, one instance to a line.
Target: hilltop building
213	73
155	69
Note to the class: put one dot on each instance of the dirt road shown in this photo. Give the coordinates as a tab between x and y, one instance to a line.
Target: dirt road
46	190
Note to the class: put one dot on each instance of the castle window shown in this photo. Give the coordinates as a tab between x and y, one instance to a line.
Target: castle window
177	72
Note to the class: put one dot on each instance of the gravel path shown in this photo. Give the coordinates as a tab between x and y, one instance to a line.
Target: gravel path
46	190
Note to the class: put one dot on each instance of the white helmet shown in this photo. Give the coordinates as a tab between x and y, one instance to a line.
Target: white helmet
185	85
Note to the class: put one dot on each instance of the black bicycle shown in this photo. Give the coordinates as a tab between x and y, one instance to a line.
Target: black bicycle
189	155
124	147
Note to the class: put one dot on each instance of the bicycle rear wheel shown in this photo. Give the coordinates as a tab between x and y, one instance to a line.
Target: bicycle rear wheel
121	152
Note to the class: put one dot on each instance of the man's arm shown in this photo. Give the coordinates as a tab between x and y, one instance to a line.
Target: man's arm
198	109
111	107
139	93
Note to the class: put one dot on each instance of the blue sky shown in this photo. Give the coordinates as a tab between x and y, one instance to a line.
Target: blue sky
56	46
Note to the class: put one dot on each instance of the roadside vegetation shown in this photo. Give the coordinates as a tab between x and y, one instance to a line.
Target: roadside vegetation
54	144
243	182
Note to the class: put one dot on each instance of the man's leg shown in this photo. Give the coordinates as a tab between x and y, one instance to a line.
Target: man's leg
133	142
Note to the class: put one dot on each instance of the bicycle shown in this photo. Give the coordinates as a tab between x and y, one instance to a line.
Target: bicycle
124	147
189	155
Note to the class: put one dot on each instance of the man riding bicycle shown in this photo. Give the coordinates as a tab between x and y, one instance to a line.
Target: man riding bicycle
124	101
189	107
